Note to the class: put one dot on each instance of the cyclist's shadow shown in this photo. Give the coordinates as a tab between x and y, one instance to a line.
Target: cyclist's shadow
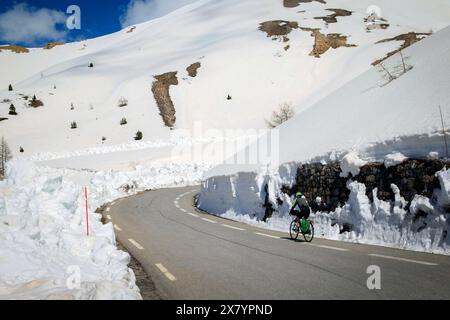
294	240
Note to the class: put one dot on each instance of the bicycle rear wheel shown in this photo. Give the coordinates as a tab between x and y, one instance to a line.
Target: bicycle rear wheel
309	236
294	229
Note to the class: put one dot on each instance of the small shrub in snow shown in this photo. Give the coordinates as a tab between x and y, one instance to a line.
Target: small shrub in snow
283	114
35	103
123	121
103	139
229	97
73	125
21	150
12	110
122	102
397	71
138	136
10	88
91	65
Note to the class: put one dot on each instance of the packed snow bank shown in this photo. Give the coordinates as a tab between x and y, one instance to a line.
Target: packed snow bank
424	227
44	247
43	242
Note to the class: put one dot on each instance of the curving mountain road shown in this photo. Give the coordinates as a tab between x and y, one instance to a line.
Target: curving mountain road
191	255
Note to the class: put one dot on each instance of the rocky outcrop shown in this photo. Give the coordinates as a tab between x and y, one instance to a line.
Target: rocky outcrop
278	28
332	18
51	45
323	42
193	69
160	89
408	40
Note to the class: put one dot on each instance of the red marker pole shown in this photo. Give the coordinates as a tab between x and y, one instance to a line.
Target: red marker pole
87	211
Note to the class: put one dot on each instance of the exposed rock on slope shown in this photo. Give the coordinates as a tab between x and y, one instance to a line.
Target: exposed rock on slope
408	40
160	89
332	18
296	3
324	42
15	49
193	68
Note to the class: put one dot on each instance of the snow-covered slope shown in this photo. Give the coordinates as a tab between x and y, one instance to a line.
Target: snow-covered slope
371	116
236	59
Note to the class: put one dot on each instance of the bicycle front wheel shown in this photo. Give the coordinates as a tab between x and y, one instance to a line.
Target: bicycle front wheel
294	229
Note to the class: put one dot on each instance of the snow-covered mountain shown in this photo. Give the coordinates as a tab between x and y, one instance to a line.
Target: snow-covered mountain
261	53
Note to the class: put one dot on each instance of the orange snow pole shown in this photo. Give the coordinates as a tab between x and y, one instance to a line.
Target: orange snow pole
87	211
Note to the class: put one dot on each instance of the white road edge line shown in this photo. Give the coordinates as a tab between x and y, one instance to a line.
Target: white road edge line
329	247
266	235
109	217
192	214
117	227
169	276
108	209
183	210
231	227
208	220
403	259
136	244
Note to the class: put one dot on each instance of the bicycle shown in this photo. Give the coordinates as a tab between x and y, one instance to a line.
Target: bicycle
303	226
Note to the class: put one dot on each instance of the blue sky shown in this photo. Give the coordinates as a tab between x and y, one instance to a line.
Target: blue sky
38	22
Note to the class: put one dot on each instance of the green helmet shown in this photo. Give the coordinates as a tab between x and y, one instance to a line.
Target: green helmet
299	195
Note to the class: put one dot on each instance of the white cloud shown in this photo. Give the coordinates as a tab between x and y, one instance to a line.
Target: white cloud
143	10
29	25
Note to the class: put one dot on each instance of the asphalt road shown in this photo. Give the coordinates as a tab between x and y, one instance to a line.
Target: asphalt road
191	255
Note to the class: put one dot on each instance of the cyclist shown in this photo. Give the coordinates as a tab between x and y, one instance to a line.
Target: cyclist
303	207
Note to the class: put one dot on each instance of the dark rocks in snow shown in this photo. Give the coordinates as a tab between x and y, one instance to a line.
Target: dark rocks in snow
412	177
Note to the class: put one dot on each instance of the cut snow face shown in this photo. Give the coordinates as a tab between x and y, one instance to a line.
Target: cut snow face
160	89
417	223
44	248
